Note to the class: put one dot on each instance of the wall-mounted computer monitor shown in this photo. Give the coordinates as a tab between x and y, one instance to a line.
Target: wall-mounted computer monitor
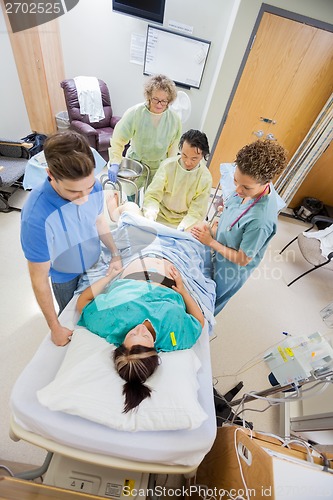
150	10
181	58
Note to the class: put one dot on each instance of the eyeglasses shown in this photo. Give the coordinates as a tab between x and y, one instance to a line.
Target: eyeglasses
160	101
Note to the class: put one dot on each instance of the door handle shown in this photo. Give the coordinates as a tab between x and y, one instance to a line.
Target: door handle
258	133
267	120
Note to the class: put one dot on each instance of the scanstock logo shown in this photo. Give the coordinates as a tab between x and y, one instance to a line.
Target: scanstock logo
25	15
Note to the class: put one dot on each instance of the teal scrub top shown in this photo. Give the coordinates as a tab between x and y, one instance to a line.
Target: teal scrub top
127	303
251	234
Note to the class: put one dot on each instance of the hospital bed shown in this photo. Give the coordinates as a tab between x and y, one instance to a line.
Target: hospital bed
95	456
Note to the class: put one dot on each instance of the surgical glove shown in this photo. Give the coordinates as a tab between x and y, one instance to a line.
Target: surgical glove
151	213
113	172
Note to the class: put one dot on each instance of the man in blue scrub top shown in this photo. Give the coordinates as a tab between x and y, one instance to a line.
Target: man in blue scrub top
248	220
62	226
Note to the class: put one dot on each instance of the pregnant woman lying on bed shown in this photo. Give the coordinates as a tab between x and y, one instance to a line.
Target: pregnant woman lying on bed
146	310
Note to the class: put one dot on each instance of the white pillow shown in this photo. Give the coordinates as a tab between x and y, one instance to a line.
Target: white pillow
88	385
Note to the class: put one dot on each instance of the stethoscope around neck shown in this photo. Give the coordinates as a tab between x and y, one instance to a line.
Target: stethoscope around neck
229	228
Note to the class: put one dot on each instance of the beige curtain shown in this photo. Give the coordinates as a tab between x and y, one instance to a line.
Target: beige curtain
314	144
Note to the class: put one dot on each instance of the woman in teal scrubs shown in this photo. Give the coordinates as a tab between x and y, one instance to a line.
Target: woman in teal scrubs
248	220
146	310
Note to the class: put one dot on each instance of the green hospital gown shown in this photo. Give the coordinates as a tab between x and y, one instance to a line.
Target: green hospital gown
127	303
153	137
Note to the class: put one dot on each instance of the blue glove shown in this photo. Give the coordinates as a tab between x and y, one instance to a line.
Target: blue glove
113	172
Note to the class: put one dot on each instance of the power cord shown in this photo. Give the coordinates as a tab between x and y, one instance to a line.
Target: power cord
244	368
239	463
7	469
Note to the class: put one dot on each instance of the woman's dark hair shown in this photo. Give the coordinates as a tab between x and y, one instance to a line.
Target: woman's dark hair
262	160
196	139
134	366
68	155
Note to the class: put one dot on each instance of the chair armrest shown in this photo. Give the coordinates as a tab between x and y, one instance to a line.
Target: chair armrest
321	218
7	142
87	131
114	120
84	128
14	149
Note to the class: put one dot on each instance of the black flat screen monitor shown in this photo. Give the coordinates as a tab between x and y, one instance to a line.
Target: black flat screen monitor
151	10
181	57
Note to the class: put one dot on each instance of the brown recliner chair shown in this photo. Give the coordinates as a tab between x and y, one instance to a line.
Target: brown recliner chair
97	133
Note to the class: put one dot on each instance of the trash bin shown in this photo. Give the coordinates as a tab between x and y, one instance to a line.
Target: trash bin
62	120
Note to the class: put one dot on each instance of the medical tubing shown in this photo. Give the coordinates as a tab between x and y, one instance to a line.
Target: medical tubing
275	401
249	409
35	473
289	441
244	368
284	442
301	441
292	398
243	409
239	462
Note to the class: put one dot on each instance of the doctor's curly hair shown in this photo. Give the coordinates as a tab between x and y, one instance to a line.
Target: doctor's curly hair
262	160
160	82
135	365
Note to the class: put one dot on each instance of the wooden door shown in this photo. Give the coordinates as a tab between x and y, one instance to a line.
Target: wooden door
38	56
286	81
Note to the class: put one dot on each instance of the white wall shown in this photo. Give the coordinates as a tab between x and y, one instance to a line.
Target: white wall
96	41
14	122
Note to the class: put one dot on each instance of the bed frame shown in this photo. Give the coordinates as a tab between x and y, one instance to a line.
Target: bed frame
103	453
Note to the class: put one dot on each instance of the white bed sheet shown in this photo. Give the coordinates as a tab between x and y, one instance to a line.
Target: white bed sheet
186	448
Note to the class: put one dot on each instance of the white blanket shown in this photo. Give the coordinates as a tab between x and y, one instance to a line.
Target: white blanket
90	97
325	236
88	385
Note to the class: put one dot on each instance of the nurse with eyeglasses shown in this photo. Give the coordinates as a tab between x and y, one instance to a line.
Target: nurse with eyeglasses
151	129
